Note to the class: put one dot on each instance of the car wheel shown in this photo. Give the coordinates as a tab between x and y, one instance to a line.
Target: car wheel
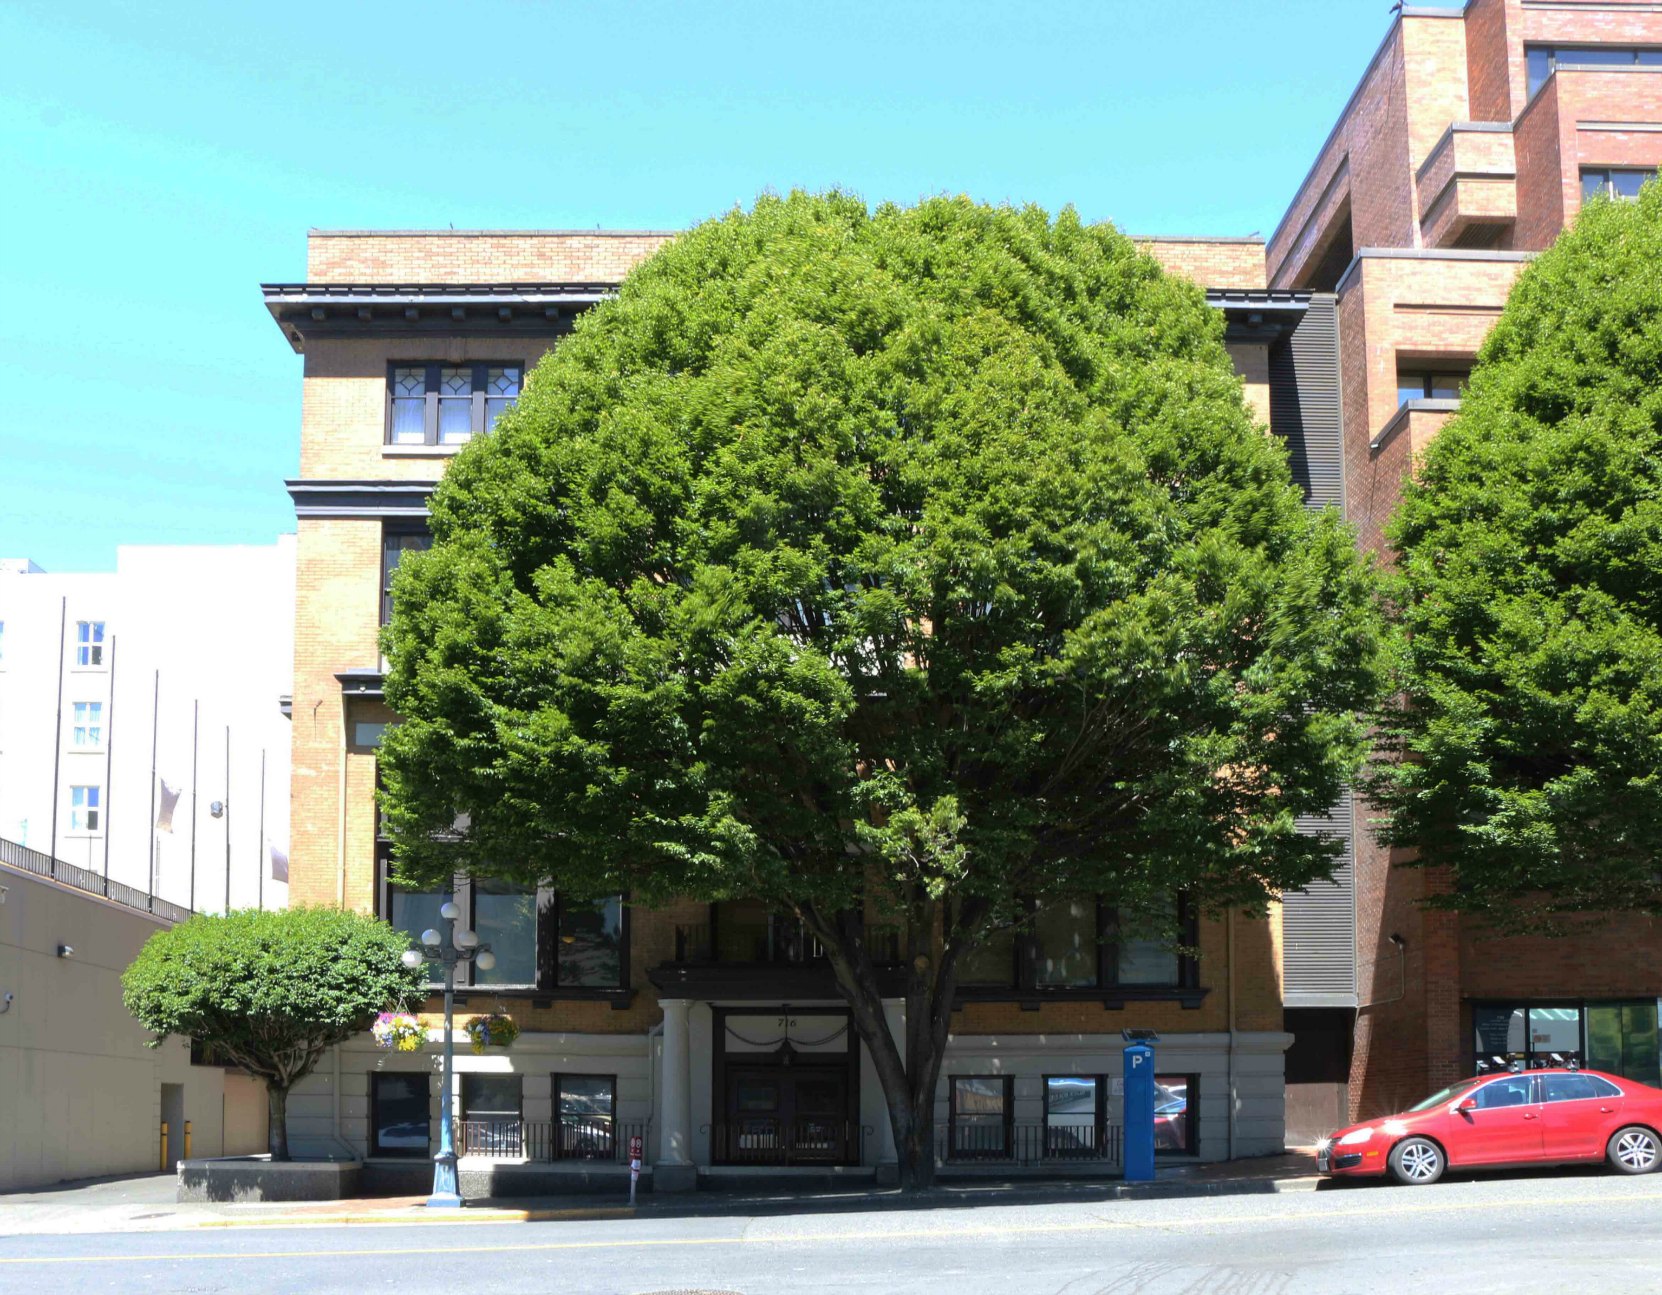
1634	1150
1415	1162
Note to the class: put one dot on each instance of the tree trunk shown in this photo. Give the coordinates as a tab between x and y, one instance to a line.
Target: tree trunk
277	1119
908	1069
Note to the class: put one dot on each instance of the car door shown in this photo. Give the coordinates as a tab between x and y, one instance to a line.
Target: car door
1503	1127
1578	1114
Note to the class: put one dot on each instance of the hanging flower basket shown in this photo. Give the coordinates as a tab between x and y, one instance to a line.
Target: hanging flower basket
399	1032
493	1031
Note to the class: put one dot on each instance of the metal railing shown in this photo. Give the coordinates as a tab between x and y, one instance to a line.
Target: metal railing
780	940
24	859
995	1142
765	1140
549	1140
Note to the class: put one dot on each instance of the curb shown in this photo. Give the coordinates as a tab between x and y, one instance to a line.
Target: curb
387	1218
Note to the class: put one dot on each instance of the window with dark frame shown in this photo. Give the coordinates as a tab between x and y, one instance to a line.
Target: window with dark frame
979	1116
1420	382
399	1114
1622	1037
1543	60
396	541
1176	1098
1614	181
1087	945
436	403
1076	1116
493	1109
543	942
585	1115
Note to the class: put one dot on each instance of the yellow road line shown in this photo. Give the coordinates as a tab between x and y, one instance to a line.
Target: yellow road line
822	1238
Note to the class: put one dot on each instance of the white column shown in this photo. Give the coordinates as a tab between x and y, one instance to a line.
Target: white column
675	1134
894	1015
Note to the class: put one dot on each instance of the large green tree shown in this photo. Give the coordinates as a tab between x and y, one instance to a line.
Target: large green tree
270	991
924	561
1526	754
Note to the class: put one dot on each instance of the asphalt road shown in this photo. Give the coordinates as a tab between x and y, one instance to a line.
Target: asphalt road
1581	1232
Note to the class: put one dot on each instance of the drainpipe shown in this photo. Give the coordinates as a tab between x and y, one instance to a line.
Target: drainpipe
340	811
1230	955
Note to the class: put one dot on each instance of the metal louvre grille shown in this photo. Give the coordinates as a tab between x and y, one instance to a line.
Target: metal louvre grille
1318	924
1304	402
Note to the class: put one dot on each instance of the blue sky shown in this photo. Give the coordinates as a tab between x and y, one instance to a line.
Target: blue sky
162	160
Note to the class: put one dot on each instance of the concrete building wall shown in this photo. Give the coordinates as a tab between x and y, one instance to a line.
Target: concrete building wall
80	1090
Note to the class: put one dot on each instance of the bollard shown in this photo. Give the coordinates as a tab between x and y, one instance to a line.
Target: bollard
163	1157
187	1139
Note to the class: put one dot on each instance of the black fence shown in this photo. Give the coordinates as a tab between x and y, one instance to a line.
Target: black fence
547	1140
765	1140
997	1142
24	859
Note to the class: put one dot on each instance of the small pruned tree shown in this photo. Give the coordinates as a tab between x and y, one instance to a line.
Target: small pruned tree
922	561
1525	756
270	991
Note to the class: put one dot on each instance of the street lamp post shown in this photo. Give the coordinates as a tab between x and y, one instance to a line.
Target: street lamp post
456	945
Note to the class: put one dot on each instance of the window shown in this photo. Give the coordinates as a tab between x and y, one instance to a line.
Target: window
395	543
585	1111
1576	1088
448	404
1175	1099
1535	1036
979	1117
1544	60
1431	384
491	1110
588	943
1516	1090
89	644
88	730
542	941
1613	181
1085	945
83	809
399	1117
505	917
1076	1112
1624	1039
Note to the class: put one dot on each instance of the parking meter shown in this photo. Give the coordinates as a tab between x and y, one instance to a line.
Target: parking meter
1139	1113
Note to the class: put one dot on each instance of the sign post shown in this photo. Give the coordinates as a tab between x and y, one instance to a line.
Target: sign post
1139	1113
635	1150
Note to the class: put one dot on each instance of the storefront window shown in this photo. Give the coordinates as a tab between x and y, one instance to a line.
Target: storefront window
1620	1037
980	1116
399	1114
585	1106
1074	1111
1624	1039
1174	1123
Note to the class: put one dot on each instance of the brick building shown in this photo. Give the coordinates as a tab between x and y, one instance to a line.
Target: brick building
1470	142
712	1031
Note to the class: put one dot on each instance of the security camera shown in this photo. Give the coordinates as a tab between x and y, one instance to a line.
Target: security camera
66	950
6	1001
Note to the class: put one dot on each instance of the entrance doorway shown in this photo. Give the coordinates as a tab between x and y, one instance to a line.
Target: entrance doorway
173	1115
787	1115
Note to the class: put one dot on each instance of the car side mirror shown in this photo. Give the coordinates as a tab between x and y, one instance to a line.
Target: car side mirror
1470	1104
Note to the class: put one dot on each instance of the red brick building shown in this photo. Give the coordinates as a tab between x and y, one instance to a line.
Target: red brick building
1468	145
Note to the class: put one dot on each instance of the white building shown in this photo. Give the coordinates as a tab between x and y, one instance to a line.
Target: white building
143	729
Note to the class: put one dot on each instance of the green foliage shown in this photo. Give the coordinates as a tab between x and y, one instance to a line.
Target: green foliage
932	542
269	990
1527	753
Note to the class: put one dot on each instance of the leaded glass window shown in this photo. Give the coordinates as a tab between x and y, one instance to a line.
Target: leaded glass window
448	404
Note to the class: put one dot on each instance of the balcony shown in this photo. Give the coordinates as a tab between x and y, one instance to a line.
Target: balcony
758	956
1468	187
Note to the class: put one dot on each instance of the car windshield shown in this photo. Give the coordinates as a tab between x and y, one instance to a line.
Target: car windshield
1447	1095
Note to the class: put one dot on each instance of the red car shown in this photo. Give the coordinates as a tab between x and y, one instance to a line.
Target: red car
1532	1117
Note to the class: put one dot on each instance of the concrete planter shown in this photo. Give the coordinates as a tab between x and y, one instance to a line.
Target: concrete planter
256	1178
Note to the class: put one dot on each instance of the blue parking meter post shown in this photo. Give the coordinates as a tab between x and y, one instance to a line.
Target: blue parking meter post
1139	1113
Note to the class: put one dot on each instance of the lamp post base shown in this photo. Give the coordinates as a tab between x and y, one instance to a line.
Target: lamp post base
446	1195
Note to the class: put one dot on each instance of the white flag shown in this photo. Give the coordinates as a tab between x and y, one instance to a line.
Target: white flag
279	863
170	802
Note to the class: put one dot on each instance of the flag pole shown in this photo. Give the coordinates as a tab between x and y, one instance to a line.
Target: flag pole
109	771
195	730
261	857
57	732
227	818
155	730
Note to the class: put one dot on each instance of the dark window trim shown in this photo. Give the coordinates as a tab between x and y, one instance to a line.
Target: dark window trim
1100	1125
1026	989
1191	1113
401	529
1002	1152
430	398
545	989
1553	49
469	1075
1607	181
558	1120
401	1153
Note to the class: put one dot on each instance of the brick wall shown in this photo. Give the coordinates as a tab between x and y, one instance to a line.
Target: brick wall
1212	263
477	256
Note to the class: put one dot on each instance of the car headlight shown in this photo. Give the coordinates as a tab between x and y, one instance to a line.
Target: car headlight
1355	1136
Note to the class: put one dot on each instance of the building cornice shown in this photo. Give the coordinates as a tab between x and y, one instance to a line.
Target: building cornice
1424	254
333	310
360	500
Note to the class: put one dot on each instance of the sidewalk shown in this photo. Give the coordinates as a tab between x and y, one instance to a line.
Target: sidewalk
146	1202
